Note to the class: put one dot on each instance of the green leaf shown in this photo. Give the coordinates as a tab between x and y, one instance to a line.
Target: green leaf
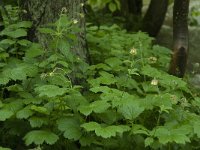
24	42
40	109
86	109
4	55
38	137
107	132
91	126
96	106
148	141
130	109
163	135
5	114
139	129
114	63
70	127
38	121
3	148
14	34
22	24
24	113
7	42
34	51
60	80
3	80
50	90
112	7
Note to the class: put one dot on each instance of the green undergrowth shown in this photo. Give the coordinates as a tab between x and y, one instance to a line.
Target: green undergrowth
126	99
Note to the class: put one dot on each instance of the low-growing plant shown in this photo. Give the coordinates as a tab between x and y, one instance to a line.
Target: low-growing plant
127	100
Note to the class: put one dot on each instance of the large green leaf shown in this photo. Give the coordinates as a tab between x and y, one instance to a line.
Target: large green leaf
14	33
5	114
130	109
38	137
24	113
71	128
34	51
38	121
50	90
96	106
107	131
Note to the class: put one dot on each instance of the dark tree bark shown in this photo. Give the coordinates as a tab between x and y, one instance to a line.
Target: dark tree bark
131	10
154	17
42	12
180	38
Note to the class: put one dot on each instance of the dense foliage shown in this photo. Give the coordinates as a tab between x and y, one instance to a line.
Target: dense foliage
126	98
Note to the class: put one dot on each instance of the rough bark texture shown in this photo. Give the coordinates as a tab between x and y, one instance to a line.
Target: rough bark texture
131	10
180	38
154	17
42	12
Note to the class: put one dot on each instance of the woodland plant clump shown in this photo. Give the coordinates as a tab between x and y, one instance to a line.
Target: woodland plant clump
126	98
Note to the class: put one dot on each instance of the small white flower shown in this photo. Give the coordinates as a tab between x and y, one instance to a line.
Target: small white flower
75	21
64	10
82	4
82	15
152	60
154	82
133	51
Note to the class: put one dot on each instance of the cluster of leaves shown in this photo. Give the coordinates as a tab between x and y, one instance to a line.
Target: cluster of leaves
113	5
127	101
194	14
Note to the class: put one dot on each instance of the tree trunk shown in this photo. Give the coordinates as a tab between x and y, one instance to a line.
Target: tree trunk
180	38
154	17
131	10
42	12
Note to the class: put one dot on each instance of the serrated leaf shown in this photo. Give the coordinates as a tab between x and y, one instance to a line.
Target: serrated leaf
38	121
197	128
99	106
64	48
139	129
4	80
60	80
71	128
4	55
24	42
7	42
22	24
96	106
163	135
107	132
86	110
5	114
24	113
34	51
15	33
103	89
50	90
130	109
91	126
114	63
40	109
38	137
148	141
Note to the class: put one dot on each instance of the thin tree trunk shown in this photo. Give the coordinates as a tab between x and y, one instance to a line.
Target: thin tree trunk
131	10
42	12
180	38
154	17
